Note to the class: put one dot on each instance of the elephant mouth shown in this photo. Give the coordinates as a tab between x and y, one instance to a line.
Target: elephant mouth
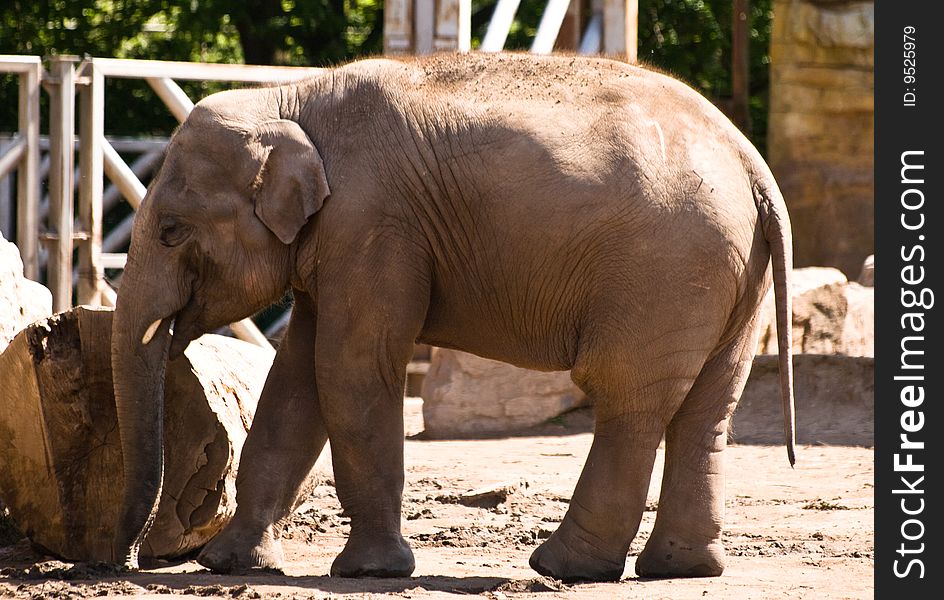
189	323
182	333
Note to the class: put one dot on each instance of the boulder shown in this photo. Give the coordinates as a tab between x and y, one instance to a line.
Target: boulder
466	396
61	469
830	315
21	301
834	402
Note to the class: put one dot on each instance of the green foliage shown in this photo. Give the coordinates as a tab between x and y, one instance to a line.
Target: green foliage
692	40
689	38
280	32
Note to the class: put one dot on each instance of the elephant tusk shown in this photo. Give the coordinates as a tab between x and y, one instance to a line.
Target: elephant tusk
152	328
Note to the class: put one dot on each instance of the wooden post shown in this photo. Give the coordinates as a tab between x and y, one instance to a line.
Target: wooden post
91	186
62	161
398	26
424	26
27	181
620	28
740	64
6	198
453	26
568	38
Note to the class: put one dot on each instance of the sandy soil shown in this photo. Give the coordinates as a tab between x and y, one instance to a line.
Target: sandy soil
800	533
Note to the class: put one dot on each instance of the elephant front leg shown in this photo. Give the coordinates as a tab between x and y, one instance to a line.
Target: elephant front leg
285	439
362	361
366	428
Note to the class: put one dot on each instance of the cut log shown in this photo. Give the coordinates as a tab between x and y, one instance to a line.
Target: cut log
60	455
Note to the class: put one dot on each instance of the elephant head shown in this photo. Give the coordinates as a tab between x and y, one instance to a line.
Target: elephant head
212	243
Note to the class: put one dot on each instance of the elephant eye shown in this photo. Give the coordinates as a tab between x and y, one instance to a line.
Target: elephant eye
173	233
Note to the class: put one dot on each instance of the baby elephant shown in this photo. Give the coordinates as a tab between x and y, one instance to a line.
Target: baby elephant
554	213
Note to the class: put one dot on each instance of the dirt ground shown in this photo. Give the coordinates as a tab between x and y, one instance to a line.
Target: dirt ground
803	533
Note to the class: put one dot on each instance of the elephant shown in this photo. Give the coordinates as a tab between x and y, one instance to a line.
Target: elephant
555	213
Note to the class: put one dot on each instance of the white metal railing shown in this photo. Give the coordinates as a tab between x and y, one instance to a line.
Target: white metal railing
75	86
550	25
149	153
23	155
99	158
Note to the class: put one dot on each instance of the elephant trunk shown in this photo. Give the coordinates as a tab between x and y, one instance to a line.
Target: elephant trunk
140	343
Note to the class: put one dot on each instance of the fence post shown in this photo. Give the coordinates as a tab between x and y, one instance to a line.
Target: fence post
398	27
453	26
424	26
91	185
740	65
621	28
27	180
568	38
62	161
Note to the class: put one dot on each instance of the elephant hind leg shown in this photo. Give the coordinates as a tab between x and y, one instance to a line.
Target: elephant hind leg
686	538
632	407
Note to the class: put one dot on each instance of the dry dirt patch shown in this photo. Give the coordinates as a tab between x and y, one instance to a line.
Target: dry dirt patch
803	533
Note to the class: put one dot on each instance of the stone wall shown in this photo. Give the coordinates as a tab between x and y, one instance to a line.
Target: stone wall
821	127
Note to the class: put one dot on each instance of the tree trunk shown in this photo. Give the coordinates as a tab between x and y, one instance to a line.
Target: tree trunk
60	457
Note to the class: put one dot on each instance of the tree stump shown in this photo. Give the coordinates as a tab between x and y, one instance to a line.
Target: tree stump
60	454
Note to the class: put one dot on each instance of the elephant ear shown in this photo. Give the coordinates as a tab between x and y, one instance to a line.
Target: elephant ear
291	184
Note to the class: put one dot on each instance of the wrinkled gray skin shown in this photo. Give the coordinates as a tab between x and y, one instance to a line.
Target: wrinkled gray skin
554	213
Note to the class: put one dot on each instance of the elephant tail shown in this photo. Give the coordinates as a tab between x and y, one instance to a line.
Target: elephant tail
776	225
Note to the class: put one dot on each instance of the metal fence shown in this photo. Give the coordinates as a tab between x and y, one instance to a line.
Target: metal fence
69	223
22	155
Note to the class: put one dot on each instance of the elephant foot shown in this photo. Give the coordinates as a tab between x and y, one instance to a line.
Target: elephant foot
366	556
570	558
671	556
233	552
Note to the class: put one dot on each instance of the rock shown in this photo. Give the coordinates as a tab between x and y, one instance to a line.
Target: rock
486	497
867	276
465	396
830	315
61	473
22	301
834	402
